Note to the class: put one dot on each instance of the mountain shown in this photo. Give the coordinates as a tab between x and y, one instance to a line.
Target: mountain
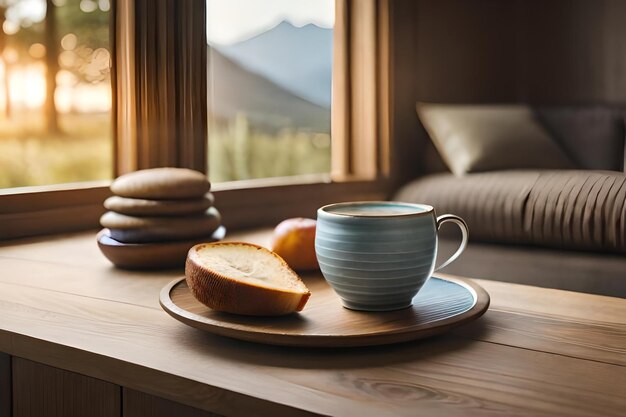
234	89
296	58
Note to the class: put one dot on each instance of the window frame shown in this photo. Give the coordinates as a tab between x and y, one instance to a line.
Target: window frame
361	125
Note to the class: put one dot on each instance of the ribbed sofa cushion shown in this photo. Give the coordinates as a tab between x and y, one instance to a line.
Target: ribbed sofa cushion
555	208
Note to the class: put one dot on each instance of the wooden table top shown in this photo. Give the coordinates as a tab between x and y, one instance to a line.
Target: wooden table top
535	352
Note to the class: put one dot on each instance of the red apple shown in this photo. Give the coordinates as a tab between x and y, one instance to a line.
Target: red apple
294	241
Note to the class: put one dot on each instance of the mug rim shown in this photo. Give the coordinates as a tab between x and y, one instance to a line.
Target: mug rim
425	209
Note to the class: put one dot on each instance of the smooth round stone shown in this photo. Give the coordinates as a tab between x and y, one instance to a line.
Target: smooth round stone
162	184
143	207
130	229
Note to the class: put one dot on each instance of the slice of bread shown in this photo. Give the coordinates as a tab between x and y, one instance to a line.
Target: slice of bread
243	278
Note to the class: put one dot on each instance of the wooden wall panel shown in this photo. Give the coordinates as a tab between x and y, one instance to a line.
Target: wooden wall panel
446	51
564	49
41	390
559	51
498	51
404	125
5	385
139	404
615	47
465	50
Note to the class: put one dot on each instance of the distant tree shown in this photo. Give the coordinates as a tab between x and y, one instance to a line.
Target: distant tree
90	56
92	33
51	41
4	5
28	32
5	75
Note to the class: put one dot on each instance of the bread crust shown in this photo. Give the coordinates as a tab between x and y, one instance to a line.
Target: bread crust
222	293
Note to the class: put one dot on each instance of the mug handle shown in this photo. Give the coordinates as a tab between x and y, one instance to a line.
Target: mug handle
464	230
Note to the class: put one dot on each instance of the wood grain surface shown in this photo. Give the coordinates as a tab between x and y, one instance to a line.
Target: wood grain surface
534	352
40	390
325	323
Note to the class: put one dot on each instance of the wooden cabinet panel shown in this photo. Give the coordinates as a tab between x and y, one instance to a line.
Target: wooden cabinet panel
139	404
5	385
41	390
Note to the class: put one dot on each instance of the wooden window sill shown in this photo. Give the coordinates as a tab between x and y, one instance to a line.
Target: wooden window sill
243	204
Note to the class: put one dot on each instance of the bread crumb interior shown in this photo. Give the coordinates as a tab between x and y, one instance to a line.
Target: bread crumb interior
249	264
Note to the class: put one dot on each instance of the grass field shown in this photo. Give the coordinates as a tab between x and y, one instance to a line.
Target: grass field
29	156
84	151
238	151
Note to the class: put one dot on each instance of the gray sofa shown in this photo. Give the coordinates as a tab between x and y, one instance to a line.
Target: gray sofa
551	228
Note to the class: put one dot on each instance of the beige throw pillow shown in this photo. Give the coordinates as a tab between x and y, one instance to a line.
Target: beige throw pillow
478	138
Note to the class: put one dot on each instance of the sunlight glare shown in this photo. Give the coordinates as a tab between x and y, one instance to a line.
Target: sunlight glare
37	50
69	41
28	91
10	55
28	85
27	12
104	5
88	6
10	27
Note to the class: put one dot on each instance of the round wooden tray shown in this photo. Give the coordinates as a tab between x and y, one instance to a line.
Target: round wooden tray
439	306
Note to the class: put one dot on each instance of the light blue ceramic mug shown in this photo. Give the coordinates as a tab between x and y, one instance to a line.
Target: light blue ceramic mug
377	255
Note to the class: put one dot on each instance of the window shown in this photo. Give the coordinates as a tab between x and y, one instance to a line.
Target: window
55	92
160	118
269	87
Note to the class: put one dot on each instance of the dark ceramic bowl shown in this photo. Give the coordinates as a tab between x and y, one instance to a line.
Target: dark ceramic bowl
157	255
